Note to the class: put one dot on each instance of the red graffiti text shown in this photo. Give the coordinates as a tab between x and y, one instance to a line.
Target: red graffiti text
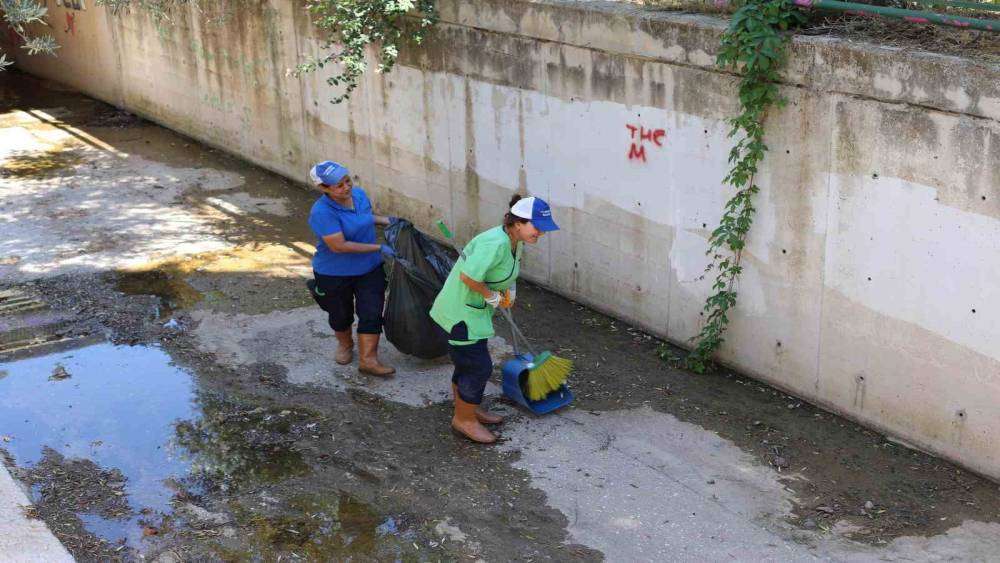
638	135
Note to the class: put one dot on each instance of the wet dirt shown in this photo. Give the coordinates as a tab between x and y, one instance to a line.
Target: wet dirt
83	504
125	452
253	444
833	465
171	290
40	165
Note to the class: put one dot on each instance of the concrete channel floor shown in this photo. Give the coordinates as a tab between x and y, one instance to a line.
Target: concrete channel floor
166	253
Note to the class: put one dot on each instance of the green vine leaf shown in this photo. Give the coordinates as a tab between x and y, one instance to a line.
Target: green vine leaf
354	25
754	45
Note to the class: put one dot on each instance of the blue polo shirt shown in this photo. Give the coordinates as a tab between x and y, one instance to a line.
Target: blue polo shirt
358	225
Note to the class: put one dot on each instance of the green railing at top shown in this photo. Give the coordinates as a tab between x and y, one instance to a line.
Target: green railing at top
913	16
982	6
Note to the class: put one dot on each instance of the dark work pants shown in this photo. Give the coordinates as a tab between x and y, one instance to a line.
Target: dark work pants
473	365
340	296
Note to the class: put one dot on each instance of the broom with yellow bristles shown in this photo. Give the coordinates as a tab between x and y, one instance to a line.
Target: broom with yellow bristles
546	371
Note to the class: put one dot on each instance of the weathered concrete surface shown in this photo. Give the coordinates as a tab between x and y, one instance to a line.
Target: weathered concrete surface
648	487
293	338
24	539
866	286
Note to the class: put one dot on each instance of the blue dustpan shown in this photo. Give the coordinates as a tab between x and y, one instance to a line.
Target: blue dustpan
513	372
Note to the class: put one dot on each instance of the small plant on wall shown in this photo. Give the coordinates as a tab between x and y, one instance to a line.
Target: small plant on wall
754	45
351	26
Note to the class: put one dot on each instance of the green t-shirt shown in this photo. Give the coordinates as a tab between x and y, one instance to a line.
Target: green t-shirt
490	260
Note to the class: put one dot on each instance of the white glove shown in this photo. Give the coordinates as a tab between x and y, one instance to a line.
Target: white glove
494	299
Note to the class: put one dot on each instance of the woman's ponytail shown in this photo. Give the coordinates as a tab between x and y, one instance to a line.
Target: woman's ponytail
509	220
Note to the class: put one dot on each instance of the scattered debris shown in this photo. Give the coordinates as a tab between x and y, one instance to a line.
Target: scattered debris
388	527
449	531
59	373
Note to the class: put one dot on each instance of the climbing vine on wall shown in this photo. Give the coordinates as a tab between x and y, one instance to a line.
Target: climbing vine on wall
354	25
754	46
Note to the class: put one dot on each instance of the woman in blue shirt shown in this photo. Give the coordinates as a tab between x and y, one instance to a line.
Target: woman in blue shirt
348	265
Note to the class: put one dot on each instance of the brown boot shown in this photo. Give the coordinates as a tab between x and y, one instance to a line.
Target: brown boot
368	357
484	416
345	347
465	423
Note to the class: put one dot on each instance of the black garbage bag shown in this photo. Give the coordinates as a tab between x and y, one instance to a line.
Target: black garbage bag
418	272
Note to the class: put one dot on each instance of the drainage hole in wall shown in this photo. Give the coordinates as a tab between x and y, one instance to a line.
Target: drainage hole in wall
875	176
783	251
984	198
869	278
973	311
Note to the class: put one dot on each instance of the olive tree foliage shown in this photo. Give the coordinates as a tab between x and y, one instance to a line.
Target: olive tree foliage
24	17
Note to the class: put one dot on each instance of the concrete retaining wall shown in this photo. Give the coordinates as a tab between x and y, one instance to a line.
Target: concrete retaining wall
870	284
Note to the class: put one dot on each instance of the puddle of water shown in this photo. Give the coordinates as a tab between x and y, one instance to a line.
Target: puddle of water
233	446
117	407
329	528
173	291
114	405
130	409
111	530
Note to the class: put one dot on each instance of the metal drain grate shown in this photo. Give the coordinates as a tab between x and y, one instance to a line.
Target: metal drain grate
14	302
28	324
33	341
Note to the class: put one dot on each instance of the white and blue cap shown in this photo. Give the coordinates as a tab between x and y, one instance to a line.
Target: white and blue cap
537	211
328	172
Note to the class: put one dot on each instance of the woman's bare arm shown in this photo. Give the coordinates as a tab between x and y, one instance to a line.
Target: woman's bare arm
337	243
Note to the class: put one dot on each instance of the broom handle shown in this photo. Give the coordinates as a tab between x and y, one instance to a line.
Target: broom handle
516	333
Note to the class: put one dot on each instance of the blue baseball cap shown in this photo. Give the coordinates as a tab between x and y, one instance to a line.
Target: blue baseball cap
537	211
328	172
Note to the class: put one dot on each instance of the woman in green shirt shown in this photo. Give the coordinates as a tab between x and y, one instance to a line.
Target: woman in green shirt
481	281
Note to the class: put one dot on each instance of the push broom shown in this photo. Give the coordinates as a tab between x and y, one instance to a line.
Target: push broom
546	371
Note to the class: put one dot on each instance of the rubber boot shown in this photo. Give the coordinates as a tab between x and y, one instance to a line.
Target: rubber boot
465	423
484	416
368	357
345	347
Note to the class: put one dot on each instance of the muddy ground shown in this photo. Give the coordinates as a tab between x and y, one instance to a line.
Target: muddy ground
282	463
